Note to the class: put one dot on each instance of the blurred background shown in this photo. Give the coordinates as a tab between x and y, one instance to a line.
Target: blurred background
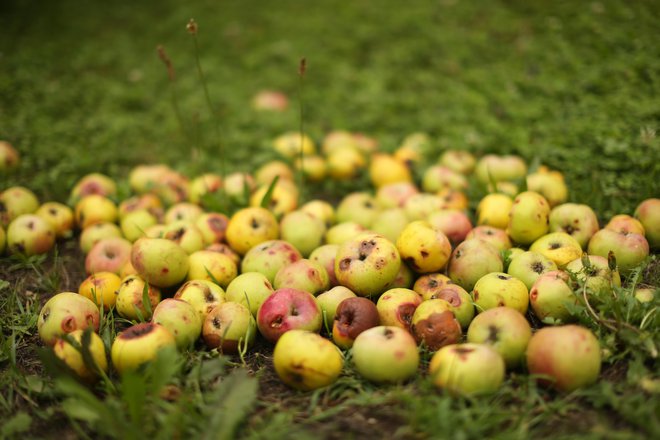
574	85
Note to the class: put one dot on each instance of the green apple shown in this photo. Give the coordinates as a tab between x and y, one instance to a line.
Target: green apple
528	218
423	247
529	266
471	260
228	326
499	289
159	261
549	296
181	319
140	344
385	354
65	312
250	289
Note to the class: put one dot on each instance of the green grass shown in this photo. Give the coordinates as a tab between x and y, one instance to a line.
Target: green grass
574	85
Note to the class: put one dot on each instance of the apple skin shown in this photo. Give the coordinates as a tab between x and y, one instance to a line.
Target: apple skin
159	261
284	198
140	344
134	224
394	195
385	169
499	289
471	260
9	157
143	178
228	326
306	361
564	357
548	296
211	266
550	184
396	307
288	309
385	354
599	278
269	257
303	275
95	208
29	234
64	313
421	206
203	295
213	226
3	240
330	300
97	232
182	212
390	223
505	330
577	220
200	186
343	232
181	319
15	201
460	302
648	213
404	278
250	289
358	207
101	287
500	168
495	236
435	325
130	296
367	264
185	234
528	218
289	145
437	177
108	255
467	369
320	209
59	216
430	284
238	184
325	256
303	230
74	360
458	160
423	247
352	317
149	202
559	247
493	210
629	249
223	248
528	266
93	183
345	163
455	224
625	224
249	227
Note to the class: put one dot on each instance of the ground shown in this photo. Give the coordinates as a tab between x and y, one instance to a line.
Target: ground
572	85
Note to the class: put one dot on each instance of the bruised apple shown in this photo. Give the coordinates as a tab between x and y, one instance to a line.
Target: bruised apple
140	344
288	309
353	316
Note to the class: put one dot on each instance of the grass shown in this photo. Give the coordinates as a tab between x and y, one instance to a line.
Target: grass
573	85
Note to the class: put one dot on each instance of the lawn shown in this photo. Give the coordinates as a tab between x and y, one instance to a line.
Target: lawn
572	85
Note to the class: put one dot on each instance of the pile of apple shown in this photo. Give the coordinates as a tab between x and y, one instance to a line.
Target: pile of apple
381	274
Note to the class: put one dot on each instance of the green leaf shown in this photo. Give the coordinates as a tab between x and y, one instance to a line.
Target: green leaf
229	405
265	202
18	423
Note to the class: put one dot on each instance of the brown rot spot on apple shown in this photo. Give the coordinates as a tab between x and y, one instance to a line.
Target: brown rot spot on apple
537	267
366	247
294	311
405	313
176	235
411	262
45	315
450	296
503	277
137	331
109	254
438	330
128	281
475	294
424	254
555	245
388	333
533	294
52	211
164	270
277	321
399	354
216	322
433	284
458	254
492	334
345	264
463	352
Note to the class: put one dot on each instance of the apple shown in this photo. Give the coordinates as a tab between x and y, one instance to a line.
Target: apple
95	233
94	183
459	300
325	256
455	224
228	326
471	260
390	223
95	208
435	325
528	266
185	234
648	213
3	240
181	319
213	226
423	247
203	295
630	249
404	278
496	168
239	186
358	207
161	262
65	312
396	307
320	209
437	177
211	266
496	237
385	354
249	227
330	300
108	255
564	357
367	264
385	169
493	210
250	289
134	224
597	276
430	284
269	257
421	206
500	289
275	168
550	184
458	160
528	218
73	358
337	139
313	167
143	178
467	369
303	275
645	294
171	187
283	198
559	247
306	361
345	163
452	199
549	295
148	201
15	201
224	249
29	234
101	287
130	298
625	224
183	212
140	344
303	230
505	330
288	309
394	195
126	270
204	185
270	100
352	317
59	216
577	220
291	143
343	232
9	157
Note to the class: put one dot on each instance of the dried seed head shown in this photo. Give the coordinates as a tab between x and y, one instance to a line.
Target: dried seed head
192	27
302	66
166	60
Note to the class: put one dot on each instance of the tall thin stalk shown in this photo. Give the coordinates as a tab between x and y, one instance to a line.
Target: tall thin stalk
302	67
172	82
